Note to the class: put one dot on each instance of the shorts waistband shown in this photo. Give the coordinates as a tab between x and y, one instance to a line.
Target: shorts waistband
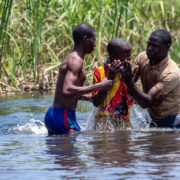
61	108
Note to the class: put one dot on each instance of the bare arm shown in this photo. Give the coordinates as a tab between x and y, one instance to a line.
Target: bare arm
71	79
143	99
86	97
99	98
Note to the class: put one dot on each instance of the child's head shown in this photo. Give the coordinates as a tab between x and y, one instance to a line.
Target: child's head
119	49
85	35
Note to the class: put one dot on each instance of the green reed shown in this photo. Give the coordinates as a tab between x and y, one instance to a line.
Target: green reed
5	14
36	35
37	16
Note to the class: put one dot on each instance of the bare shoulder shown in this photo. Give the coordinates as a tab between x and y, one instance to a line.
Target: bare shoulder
74	62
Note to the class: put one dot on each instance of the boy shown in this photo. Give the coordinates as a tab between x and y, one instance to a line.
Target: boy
115	104
60	118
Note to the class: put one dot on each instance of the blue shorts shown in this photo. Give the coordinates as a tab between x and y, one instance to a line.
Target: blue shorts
172	121
61	121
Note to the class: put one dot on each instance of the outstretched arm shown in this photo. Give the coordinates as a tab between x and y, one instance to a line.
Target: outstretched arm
143	99
70	86
153	97
86	97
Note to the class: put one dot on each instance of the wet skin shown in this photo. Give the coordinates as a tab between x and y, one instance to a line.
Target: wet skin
72	74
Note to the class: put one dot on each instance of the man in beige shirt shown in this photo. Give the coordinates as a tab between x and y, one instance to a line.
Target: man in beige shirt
159	75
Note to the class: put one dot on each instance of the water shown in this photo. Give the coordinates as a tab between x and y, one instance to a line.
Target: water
26	152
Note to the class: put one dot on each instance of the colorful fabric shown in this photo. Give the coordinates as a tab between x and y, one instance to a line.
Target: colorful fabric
117	102
61	121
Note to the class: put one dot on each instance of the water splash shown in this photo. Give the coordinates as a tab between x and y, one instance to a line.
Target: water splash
35	127
90	125
139	117
108	122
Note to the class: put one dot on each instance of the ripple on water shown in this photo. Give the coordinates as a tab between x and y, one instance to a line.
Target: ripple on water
28	153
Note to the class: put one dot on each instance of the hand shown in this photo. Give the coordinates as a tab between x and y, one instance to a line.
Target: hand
158	99
135	69
107	84
126	72
115	66
136	72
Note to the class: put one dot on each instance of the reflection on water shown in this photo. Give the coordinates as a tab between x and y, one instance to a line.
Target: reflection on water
28	153
64	150
117	155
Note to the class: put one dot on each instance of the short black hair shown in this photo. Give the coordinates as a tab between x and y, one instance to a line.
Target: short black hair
164	35
117	45
81	30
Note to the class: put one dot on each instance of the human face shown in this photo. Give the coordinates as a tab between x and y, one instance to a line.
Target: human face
122	55
90	43
156	50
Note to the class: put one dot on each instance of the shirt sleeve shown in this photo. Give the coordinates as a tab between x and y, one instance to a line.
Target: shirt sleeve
136	61
167	83
140	59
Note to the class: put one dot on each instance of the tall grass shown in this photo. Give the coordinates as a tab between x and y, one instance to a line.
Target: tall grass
35	35
5	14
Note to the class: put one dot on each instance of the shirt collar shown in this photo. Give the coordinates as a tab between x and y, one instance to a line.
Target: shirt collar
160	65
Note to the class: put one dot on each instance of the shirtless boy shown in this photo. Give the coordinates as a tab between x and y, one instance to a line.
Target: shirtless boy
60	118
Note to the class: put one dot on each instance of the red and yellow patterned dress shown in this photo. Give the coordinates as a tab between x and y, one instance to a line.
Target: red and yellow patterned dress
117	102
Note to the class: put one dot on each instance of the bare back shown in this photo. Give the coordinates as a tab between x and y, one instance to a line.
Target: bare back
71	72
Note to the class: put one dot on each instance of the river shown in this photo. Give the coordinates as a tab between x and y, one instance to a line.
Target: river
27	152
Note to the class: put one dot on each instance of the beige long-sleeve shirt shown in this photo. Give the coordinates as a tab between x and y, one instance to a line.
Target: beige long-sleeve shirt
165	76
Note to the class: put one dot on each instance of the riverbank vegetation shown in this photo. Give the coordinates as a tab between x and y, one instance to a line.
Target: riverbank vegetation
35	35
